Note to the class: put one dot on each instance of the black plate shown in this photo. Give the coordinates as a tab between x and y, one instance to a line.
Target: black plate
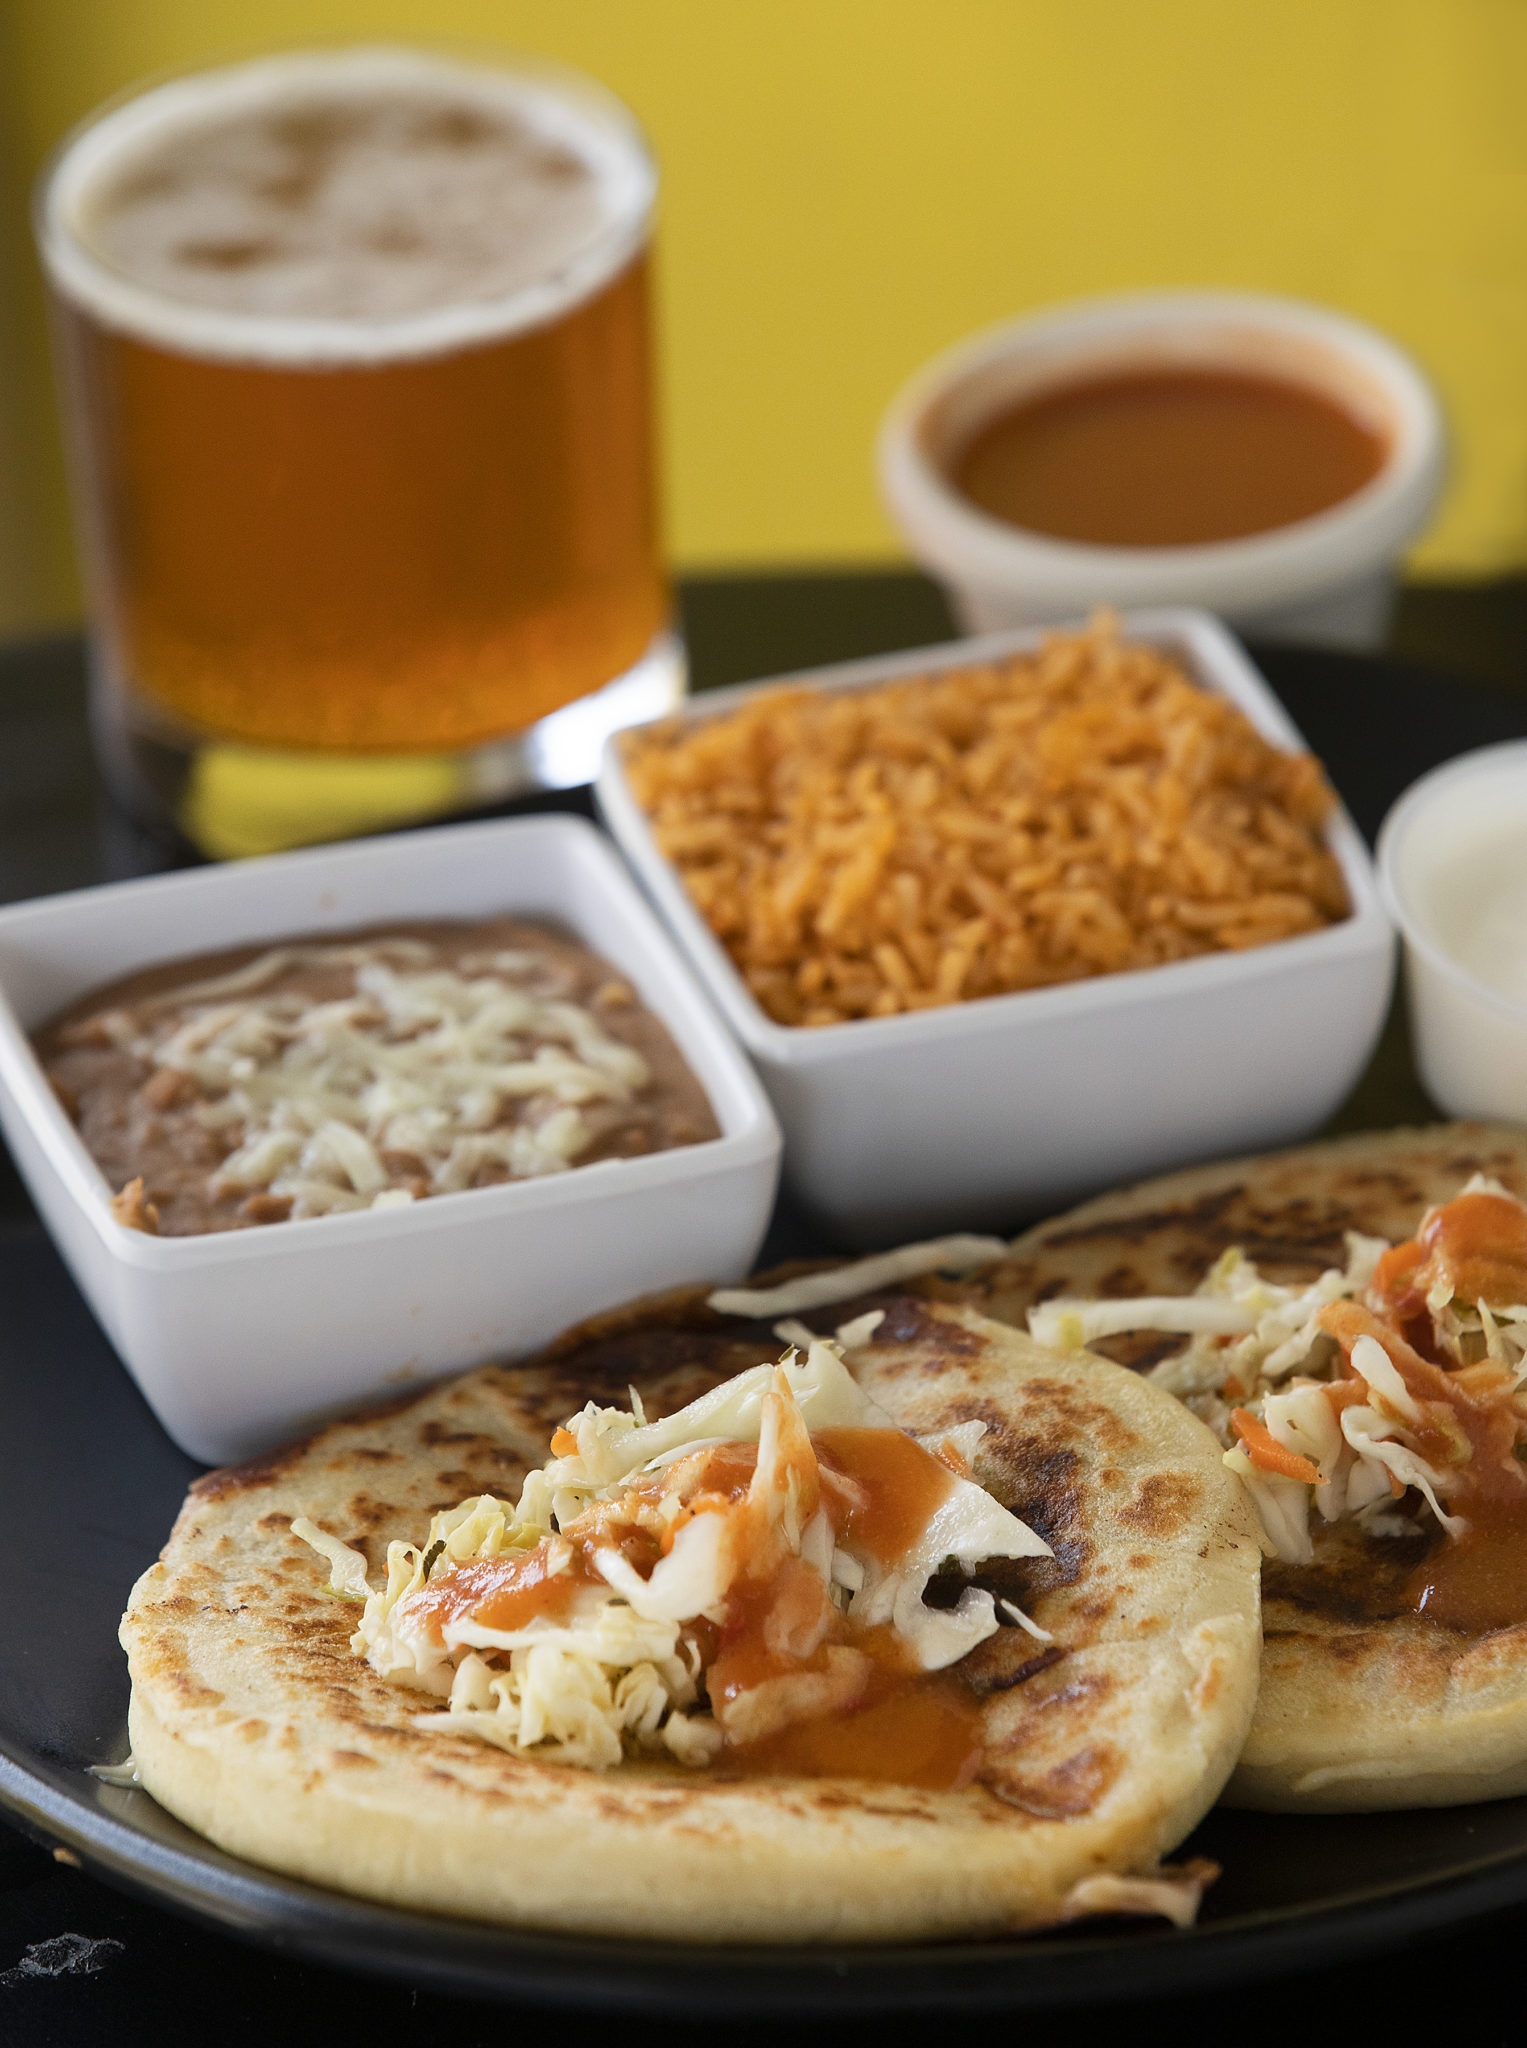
91	1484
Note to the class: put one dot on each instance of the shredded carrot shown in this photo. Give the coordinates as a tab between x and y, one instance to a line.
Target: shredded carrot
563	1444
1484	1378
1265	1451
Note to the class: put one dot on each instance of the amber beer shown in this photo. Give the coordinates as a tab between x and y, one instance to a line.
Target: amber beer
355	353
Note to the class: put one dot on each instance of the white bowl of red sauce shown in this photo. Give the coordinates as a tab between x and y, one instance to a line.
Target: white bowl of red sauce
1261	458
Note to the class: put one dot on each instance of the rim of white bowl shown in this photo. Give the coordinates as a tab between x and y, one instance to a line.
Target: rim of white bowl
1400	821
1066	342
556	97
86	1184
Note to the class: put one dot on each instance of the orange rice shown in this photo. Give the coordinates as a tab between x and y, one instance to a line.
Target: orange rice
1076	811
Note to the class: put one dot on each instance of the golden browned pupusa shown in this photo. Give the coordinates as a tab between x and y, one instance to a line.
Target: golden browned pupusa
1365	1701
1101	1745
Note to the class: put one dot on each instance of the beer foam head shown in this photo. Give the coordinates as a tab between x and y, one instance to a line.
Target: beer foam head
346	206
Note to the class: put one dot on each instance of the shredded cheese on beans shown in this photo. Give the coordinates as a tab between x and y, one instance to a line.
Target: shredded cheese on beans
457	1075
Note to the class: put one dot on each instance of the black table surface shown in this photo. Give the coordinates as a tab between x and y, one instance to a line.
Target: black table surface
58	831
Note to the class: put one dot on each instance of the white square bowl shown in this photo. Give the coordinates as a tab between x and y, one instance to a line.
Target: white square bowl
983	1112
238	1337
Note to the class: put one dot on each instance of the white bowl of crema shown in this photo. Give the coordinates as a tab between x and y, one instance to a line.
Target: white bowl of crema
1453	868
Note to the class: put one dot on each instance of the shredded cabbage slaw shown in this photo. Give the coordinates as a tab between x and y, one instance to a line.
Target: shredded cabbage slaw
616	1664
467	1069
1321	1399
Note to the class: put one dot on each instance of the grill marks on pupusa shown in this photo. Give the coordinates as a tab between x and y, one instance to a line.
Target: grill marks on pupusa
1101	1747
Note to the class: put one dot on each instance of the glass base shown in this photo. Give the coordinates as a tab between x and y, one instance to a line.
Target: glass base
231	800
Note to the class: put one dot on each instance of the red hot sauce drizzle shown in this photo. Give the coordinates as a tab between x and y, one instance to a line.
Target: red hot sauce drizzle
922	1730
1477	1246
521	1586
907	1727
1478	1581
878	1718
1476	1243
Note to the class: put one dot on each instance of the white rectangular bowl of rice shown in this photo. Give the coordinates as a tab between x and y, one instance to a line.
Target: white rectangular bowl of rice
239	1337
981	1113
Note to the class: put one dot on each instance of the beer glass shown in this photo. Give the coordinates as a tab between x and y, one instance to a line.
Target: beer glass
354	356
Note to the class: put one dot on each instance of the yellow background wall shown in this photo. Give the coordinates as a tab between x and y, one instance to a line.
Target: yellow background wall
851	184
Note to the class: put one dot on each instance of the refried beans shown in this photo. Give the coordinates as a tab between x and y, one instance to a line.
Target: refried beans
305	1077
